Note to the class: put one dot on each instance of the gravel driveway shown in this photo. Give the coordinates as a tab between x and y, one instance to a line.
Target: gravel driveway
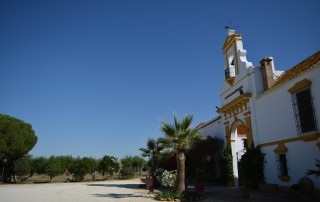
122	190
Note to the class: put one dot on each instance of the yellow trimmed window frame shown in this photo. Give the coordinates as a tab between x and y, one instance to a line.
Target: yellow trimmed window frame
282	165
300	85
303	107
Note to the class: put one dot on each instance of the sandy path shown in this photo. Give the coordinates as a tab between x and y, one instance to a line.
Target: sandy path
123	190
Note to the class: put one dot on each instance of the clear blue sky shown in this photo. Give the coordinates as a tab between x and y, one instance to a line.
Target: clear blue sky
95	77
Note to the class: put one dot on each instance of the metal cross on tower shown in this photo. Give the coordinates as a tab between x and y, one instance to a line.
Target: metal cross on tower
230	26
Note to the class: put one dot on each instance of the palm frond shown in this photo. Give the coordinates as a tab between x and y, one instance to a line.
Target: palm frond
186	122
153	148
145	152
317	163
167	129
164	142
315	172
151	143
180	136
176	122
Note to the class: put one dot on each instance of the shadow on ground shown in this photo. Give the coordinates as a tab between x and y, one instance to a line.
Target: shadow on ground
127	186
118	195
112	195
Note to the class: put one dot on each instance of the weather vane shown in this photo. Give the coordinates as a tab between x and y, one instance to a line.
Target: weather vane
230	26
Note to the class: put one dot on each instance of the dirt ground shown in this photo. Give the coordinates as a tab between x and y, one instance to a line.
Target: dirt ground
121	190
128	190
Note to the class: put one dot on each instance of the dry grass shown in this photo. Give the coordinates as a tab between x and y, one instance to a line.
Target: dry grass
36	178
42	178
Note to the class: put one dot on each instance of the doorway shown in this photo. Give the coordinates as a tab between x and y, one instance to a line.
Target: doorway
239	145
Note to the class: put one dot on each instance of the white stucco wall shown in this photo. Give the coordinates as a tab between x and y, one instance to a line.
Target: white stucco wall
274	116
275	121
300	158
214	128
274	112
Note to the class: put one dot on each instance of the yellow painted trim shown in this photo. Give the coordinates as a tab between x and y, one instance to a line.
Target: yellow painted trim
280	149
226	58
235	102
236	56
284	178
306	65
237	121
300	85
306	138
249	132
230	81
268	187
227	130
229	41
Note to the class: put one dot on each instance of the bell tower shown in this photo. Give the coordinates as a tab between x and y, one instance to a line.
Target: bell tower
235	98
234	55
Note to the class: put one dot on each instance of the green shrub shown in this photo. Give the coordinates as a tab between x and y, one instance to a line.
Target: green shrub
252	167
168	195
226	167
171	195
126	173
204	156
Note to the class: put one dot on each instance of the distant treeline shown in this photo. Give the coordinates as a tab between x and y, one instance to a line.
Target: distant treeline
75	167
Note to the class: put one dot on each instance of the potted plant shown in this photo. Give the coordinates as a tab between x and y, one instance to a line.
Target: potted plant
199	180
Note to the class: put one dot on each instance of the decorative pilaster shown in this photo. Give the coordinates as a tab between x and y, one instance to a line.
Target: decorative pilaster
249	129
227	130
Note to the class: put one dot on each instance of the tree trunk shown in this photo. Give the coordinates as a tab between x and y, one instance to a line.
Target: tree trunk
181	159
152	170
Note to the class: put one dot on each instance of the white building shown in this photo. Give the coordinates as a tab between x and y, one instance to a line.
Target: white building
278	111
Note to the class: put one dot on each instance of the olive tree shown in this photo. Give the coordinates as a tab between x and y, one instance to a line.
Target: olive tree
54	167
108	165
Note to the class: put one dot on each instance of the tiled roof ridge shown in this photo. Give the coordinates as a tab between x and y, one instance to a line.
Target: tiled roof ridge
307	64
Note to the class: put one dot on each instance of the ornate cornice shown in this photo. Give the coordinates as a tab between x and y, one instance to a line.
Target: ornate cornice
235	106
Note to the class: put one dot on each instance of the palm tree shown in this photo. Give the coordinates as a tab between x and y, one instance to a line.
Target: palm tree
180	137
152	151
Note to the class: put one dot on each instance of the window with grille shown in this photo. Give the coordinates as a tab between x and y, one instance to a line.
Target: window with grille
282	166
304	112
